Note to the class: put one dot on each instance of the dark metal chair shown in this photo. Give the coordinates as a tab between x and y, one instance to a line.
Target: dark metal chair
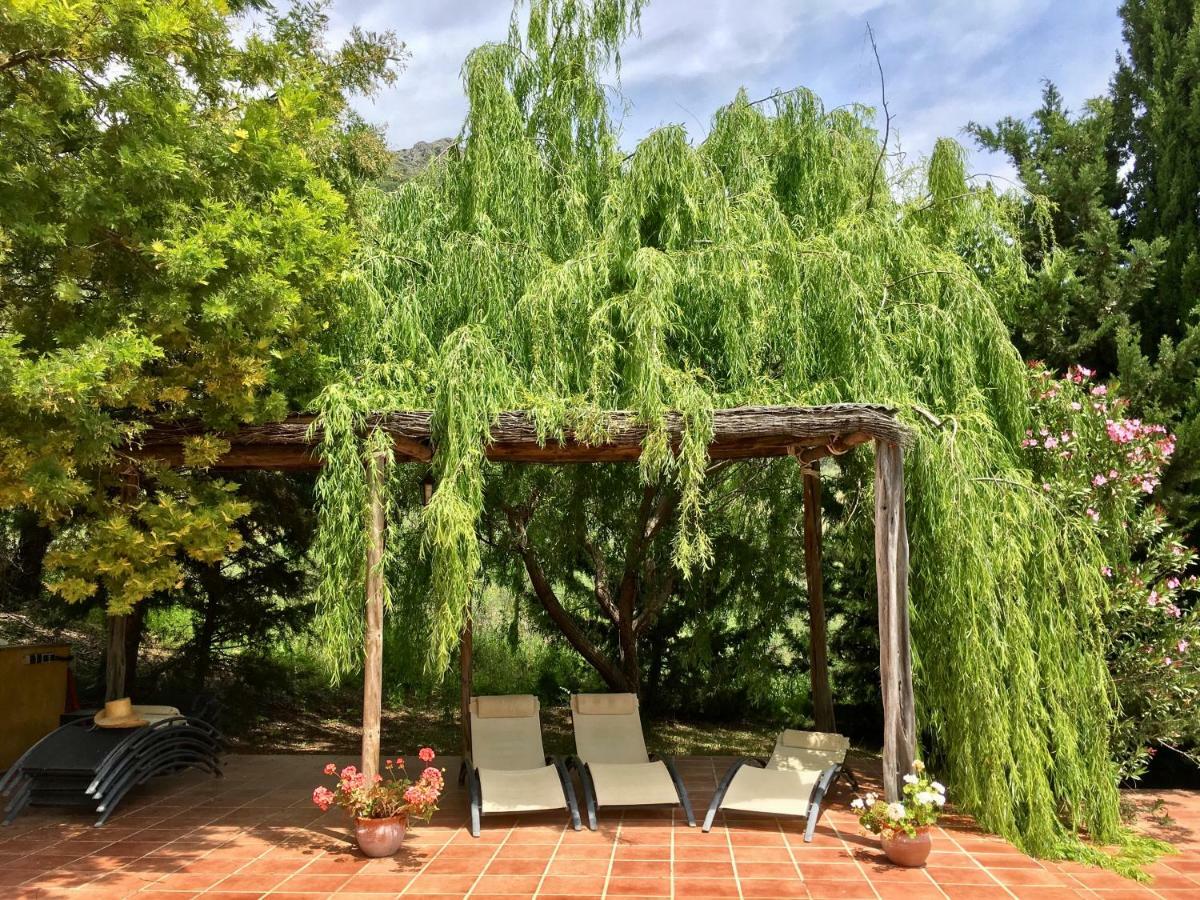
79	764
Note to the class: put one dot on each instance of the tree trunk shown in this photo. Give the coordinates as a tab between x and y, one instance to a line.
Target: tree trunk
373	626
135	630
627	635
208	630
33	539
114	658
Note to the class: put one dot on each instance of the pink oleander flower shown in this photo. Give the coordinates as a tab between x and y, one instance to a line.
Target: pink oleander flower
1099	390
1093	515
1076	405
1099	481
1153	598
1173	583
1175	611
1106	571
1051	443
426	754
1182	646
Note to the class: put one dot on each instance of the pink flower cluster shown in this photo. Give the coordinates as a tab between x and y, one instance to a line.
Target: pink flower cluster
376	797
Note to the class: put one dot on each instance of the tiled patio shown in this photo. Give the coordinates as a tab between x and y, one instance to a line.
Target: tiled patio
255	833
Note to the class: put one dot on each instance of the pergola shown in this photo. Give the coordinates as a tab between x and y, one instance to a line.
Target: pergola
752	432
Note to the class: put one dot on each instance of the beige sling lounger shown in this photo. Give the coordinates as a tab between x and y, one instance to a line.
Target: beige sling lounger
793	782
614	767
508	770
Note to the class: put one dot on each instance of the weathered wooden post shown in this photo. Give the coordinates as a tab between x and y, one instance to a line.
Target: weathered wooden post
466	667
373	629
895	655
818	650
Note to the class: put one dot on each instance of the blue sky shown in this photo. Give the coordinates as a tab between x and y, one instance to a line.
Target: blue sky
946	61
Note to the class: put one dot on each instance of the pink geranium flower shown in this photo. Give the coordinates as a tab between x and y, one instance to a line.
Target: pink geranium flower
426	754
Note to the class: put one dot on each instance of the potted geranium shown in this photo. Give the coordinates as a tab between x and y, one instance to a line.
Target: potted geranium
383	806
903	826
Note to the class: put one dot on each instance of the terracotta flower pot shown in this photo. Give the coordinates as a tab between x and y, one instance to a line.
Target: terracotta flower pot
903	850
380	837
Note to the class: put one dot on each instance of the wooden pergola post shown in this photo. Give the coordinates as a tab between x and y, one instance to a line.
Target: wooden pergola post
466	668
895	656
818	650
373	627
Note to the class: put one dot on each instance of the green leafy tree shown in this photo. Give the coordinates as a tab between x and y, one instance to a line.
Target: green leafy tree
540	267
175	215
1156	103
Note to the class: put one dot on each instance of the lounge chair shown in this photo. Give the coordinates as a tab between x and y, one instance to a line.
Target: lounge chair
614	767
793	782
508	770
80	764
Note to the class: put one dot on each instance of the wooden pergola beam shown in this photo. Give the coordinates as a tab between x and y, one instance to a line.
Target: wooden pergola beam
748	432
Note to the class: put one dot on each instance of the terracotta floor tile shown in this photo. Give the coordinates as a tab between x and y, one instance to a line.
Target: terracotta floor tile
767	870
261	882
704	869
572	884
776	888
703	888
507	884
638	887
440	884
897	891
975	892
567	866
646	868
376	883
959	875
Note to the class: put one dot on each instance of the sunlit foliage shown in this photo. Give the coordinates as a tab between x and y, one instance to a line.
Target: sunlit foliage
538	266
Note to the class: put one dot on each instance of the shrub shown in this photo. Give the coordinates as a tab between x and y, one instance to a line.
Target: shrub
1095	461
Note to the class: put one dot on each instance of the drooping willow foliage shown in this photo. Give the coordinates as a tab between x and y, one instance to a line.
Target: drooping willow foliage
537	266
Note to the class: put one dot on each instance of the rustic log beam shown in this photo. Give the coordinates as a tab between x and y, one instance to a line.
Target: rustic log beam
895	661
818	650
373	625
740	433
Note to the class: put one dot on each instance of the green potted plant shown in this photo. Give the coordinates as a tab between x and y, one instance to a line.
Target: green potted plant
383	806
903	826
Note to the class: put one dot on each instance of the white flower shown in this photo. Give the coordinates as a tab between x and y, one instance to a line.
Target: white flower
856	804
897	811
870	799
925	796
910	779
918	766
939	787
939	800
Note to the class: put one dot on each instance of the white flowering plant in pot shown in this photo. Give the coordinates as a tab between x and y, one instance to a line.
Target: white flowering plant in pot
919	806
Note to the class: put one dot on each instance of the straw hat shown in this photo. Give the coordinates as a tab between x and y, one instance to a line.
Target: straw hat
119	714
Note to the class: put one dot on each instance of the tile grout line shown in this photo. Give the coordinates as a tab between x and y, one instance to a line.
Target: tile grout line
857	862
491	859
550	861
426	864
980	865
671	858
737	879
791	853
612	856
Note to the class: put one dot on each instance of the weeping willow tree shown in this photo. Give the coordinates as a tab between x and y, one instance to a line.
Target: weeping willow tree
538	266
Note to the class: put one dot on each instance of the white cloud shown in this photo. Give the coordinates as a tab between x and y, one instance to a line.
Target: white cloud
946	61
